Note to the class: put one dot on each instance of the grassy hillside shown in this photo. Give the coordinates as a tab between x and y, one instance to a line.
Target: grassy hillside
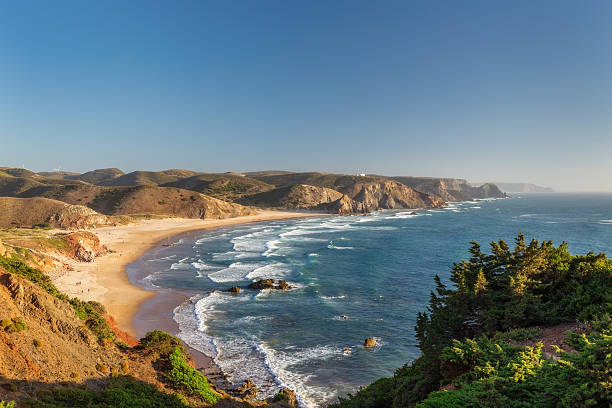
98	176
43	212
482	341
148	178
334	181
226	187
140	196
165	201
298	196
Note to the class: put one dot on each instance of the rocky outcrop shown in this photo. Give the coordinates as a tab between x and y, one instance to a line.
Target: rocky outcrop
270	284
286	396
247	391
84	246
369	342
2	249
78	217
390	195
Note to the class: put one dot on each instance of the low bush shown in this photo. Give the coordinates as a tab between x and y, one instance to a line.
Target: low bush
121	391
187	377
161	343
518	335
14	325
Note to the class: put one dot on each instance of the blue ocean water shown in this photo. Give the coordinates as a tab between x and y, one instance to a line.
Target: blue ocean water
354	277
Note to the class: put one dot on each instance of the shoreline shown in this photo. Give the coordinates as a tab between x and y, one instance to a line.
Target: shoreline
106	279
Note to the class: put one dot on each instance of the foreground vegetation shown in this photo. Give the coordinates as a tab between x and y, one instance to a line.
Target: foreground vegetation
125	391
470	338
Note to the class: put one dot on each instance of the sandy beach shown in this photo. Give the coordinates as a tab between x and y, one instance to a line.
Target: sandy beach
105	279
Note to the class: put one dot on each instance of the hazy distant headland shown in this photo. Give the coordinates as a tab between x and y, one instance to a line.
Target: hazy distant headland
523	188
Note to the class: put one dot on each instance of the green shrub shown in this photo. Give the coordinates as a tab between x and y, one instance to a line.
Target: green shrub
185	376
518	335
119	392
378	394
160	342
497	300
7	404
16	324
523	378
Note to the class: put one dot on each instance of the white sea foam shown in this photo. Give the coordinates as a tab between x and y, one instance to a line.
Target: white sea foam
237	271
203	266
254	242
605	222
283	364
165	258
333	297
233	255
271	271
181	266
332	246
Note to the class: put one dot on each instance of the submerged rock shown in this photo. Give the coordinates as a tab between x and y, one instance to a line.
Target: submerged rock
234	289
283	285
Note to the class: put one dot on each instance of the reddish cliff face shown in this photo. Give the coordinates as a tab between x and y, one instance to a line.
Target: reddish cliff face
391	195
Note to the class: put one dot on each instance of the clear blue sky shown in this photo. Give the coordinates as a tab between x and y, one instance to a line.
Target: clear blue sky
484	90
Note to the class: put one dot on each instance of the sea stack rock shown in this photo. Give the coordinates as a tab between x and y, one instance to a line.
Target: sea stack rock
234	289
262	284
369	342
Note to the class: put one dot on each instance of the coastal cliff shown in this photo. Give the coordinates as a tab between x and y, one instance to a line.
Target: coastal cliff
342	194
450	189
